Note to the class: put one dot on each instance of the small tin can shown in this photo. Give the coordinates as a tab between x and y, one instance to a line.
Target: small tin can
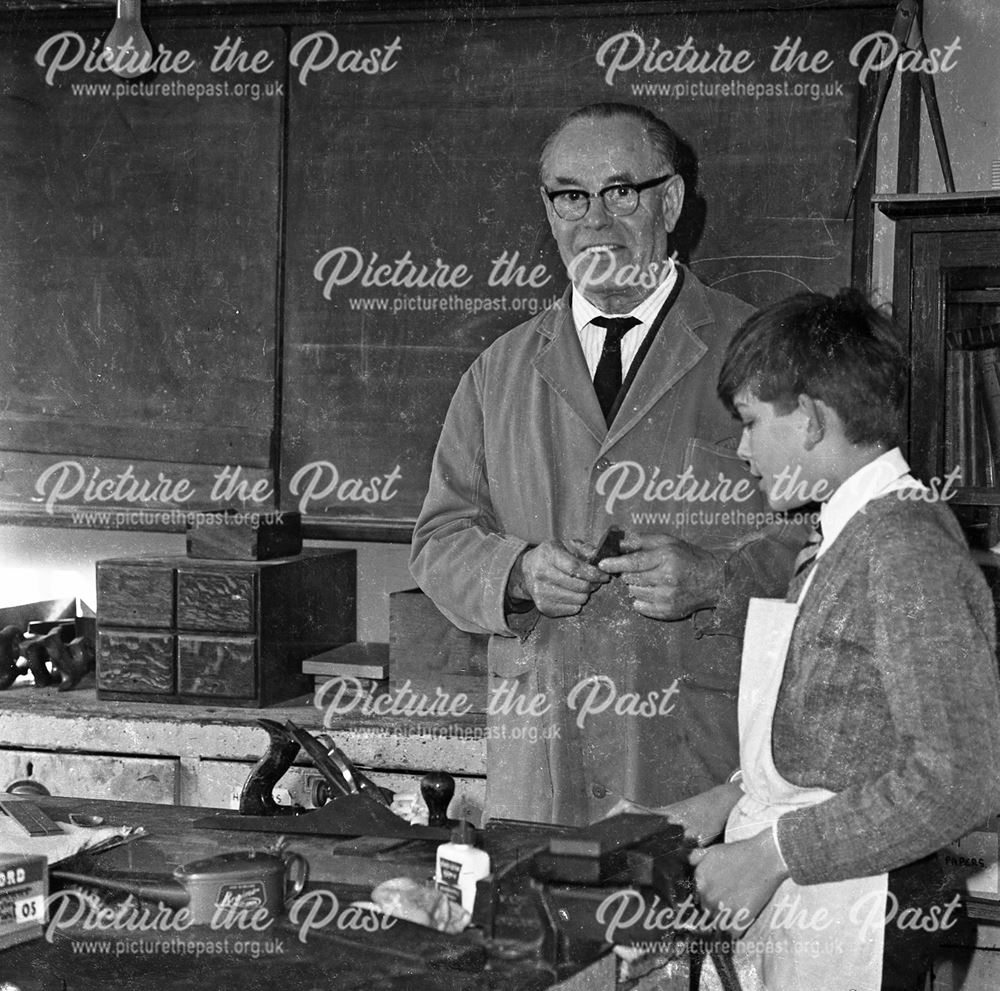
243	881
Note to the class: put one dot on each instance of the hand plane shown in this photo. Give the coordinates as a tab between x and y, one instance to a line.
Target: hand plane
354	805
340	776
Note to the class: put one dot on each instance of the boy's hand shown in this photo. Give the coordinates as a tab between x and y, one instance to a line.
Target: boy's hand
623	806
668	578
702	816
736	880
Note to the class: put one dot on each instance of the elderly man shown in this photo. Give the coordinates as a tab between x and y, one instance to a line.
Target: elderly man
616	680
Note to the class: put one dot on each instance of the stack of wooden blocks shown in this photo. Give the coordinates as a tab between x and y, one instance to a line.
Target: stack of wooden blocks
230	630
426	656
356	670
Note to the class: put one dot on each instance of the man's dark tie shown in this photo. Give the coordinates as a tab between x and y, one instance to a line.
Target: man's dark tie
608	377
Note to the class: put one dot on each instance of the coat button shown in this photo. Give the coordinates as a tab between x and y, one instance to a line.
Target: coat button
604	464
598	791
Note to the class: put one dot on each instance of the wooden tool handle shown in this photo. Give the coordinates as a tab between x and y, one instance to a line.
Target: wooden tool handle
438	789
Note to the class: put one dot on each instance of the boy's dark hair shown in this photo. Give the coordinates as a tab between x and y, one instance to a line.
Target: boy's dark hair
838	349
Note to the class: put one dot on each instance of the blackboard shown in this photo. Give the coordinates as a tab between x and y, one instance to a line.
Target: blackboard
433	164
138	255
293	284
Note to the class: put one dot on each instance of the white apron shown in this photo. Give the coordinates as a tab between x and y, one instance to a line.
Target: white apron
807	938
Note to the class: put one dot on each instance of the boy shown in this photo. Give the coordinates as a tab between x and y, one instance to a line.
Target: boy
869	703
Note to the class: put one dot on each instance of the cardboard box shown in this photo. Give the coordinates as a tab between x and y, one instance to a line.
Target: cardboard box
971	863
24	889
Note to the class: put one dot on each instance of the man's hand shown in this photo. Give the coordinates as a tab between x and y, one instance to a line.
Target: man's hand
668	578
556	580
738	879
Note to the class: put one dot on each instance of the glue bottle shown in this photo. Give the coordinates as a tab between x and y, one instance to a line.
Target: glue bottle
460	864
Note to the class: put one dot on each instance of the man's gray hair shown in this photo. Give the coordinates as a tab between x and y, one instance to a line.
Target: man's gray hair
659	132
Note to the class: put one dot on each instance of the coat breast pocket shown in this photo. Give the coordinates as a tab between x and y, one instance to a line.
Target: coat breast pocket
722	502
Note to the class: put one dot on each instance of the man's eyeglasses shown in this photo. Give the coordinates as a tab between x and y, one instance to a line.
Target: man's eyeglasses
620	200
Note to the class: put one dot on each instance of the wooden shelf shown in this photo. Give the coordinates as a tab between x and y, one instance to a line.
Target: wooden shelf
901	206
990	296
979	495
345	528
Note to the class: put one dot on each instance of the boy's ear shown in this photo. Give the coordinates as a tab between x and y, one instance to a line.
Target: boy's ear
815	414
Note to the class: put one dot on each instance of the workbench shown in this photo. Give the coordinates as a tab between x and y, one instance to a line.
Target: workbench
332	957
73	743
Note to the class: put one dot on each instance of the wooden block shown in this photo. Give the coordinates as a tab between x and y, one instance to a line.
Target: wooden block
309	600
250	536
363	659
321	669
216	599
473	687
612	834
365	688
135	593
357	685
363	683
135	661
217	666
429	652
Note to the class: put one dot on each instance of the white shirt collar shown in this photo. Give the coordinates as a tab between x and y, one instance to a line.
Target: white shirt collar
584	311
889	472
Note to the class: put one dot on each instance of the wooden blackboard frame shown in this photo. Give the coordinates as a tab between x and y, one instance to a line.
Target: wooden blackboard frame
290	14
279	11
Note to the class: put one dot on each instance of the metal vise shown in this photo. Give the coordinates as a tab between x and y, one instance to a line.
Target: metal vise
556	898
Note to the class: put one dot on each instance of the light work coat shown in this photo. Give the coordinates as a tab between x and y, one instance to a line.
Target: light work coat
608	703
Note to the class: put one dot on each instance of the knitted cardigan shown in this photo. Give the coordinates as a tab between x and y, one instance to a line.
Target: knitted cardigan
890	696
